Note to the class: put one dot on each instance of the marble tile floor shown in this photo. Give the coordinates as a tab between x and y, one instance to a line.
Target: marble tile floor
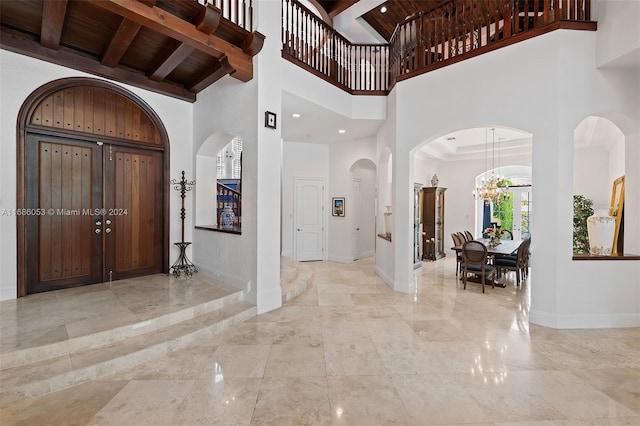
349	351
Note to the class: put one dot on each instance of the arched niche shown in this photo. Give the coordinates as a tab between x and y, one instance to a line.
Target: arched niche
385	192
598	161
219	177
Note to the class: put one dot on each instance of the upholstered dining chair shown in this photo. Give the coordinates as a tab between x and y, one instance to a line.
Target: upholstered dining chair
457	241
506	235
474	261
517	264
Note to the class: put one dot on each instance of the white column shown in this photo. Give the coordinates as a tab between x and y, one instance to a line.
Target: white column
267	72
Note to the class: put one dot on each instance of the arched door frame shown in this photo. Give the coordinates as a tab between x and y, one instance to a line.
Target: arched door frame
23	127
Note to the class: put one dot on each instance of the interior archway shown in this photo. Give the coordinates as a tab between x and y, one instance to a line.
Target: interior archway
363	194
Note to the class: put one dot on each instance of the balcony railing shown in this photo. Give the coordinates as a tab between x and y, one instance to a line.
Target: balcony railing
239	12
311	43
453	31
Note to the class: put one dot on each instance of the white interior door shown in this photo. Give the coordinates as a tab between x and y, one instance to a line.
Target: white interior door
309	219
356	220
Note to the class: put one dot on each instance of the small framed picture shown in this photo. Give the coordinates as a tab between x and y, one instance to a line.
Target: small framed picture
337	206
270	119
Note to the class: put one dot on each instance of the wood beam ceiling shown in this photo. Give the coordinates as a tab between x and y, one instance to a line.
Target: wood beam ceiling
174	47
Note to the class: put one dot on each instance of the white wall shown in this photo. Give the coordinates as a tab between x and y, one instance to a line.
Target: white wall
229	257
459	177
19	77
565	87
385	146
342	156
251	260
331	162
300	160
591	176
618	37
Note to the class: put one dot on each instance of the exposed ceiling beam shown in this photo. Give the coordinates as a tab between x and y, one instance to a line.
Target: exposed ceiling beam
170	63
211	77
122	39
341	6
206	23
120	42
165	23
53	12
19	43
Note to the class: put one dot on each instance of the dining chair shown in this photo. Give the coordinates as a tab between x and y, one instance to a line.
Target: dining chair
506	235
456	243
517	265
474	261
468	235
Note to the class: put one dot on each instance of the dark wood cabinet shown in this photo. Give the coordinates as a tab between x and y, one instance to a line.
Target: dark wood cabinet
433	222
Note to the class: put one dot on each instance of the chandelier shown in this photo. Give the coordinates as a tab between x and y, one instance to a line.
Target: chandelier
493	188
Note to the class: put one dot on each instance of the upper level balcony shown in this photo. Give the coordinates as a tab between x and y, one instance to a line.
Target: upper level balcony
451	32
173	47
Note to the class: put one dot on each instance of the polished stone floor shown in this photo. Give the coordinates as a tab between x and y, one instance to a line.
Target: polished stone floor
349	351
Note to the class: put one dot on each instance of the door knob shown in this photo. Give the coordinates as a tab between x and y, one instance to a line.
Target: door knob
357	229
299	229
108	222
98	231
108	230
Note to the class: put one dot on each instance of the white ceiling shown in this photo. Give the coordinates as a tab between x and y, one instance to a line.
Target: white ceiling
317	124
320	125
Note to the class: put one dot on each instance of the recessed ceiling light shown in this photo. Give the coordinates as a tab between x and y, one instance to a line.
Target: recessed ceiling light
383	9
342	131
295	115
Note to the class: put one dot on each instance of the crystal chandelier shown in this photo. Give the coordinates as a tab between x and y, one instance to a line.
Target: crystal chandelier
494	187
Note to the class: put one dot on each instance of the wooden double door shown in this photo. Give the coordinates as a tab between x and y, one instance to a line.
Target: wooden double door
94	212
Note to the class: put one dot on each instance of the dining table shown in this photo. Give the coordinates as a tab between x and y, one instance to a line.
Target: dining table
505	248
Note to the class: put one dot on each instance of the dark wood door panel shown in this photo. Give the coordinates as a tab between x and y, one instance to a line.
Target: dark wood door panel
134	205
64	189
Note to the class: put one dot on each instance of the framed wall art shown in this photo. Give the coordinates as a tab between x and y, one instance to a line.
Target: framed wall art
270	119
337	206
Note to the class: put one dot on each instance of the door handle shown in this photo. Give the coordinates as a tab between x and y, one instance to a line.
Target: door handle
98	230
108	230
299	229
357	229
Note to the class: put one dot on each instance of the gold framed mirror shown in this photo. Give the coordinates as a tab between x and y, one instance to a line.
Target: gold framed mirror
616	209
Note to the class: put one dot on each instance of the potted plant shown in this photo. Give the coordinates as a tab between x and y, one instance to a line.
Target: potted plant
582	209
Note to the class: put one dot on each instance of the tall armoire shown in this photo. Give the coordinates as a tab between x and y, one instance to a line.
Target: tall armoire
433	222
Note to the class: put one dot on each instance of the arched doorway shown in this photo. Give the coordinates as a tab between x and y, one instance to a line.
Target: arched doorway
93	161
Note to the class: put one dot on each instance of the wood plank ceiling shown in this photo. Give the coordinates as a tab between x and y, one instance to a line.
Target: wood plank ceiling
396	11
384	23
173	47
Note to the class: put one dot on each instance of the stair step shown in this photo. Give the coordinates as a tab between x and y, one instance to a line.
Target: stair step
56	373
97	339
300	282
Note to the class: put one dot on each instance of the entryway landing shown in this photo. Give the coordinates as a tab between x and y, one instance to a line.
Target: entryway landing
54	340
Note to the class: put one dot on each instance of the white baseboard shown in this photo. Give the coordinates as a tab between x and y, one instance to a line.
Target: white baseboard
550	320
387	279
340	259
236	282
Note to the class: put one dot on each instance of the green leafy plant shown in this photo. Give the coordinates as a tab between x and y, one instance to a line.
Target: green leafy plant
582	209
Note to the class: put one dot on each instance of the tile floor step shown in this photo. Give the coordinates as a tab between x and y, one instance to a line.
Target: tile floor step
100	338
300	282
57	373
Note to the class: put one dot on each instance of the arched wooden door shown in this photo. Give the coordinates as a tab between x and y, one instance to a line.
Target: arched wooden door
92	181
